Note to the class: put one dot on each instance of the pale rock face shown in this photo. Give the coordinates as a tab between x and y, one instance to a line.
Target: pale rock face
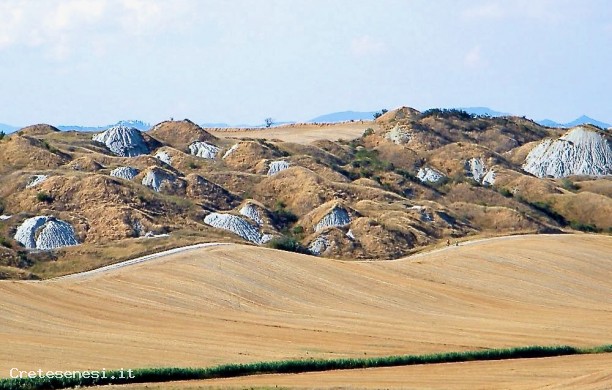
138	229
231	150
4	217
426	215
238	226
36	180
338	216
475	168
123	141
250	211
204	150
164	157
398	136
318	245
155	178
45	233
489	178
429	175
578	152
350	235
127	173
26	232
277	166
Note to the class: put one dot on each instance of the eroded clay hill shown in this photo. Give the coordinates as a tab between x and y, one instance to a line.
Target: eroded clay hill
380	190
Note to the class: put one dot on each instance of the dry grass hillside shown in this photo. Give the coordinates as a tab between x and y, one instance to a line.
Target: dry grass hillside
244	303
413	179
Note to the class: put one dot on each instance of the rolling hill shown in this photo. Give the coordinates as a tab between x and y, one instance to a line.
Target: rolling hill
355	190
241	303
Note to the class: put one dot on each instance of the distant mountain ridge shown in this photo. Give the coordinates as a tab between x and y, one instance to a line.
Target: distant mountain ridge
137	124
486	111
343	116
483	111
7	128
576	122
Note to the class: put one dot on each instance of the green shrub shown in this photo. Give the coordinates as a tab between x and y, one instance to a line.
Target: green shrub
2	135
193	165
569	185
281	216
506	192
584	227
4	242
546	209
368	131
288	244
49	147
44	197
298	230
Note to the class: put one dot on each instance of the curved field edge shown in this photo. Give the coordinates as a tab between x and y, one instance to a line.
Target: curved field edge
157	375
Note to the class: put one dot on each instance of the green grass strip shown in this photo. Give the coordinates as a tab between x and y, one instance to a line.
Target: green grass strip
295	366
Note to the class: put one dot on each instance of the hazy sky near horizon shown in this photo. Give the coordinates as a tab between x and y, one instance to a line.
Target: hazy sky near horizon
94	62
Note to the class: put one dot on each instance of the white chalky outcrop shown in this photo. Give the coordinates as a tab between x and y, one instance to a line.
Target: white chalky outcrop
123	141
203	150
429	175
164	157
231	150
475	168
156	177
338	216
45	232
277	166
489	178
250	211
127	173
318	245
238	226
398	135
36	180
580	151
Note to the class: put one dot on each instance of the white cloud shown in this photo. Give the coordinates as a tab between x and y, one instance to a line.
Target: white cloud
541	10
365	46
474	58
60	27
485	11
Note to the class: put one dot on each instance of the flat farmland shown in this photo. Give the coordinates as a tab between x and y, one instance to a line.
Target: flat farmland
301	133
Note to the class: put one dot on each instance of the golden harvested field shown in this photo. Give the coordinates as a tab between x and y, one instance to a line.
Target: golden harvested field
302	132
584	372
240	303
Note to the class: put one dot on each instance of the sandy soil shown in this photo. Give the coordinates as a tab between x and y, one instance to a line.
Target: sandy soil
585	372
238	303
301	133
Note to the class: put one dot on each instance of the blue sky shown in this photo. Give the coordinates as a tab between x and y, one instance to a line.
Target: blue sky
95	62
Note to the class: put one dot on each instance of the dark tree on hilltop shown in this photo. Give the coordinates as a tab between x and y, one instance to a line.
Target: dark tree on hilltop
447	113
380	113
269	122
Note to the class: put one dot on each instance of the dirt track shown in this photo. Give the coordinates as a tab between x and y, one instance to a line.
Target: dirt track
237	303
